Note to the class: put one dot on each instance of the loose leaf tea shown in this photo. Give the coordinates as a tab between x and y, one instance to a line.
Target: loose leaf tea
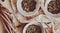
34	29
54	6
28	5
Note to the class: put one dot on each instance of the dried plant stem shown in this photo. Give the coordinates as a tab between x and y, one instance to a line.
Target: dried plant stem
8	22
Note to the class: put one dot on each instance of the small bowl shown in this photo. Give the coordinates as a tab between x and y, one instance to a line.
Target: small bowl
28	14
53	17
31	23
46	10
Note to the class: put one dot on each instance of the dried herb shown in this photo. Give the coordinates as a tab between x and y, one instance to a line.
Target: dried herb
34	29
54	6
28	5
